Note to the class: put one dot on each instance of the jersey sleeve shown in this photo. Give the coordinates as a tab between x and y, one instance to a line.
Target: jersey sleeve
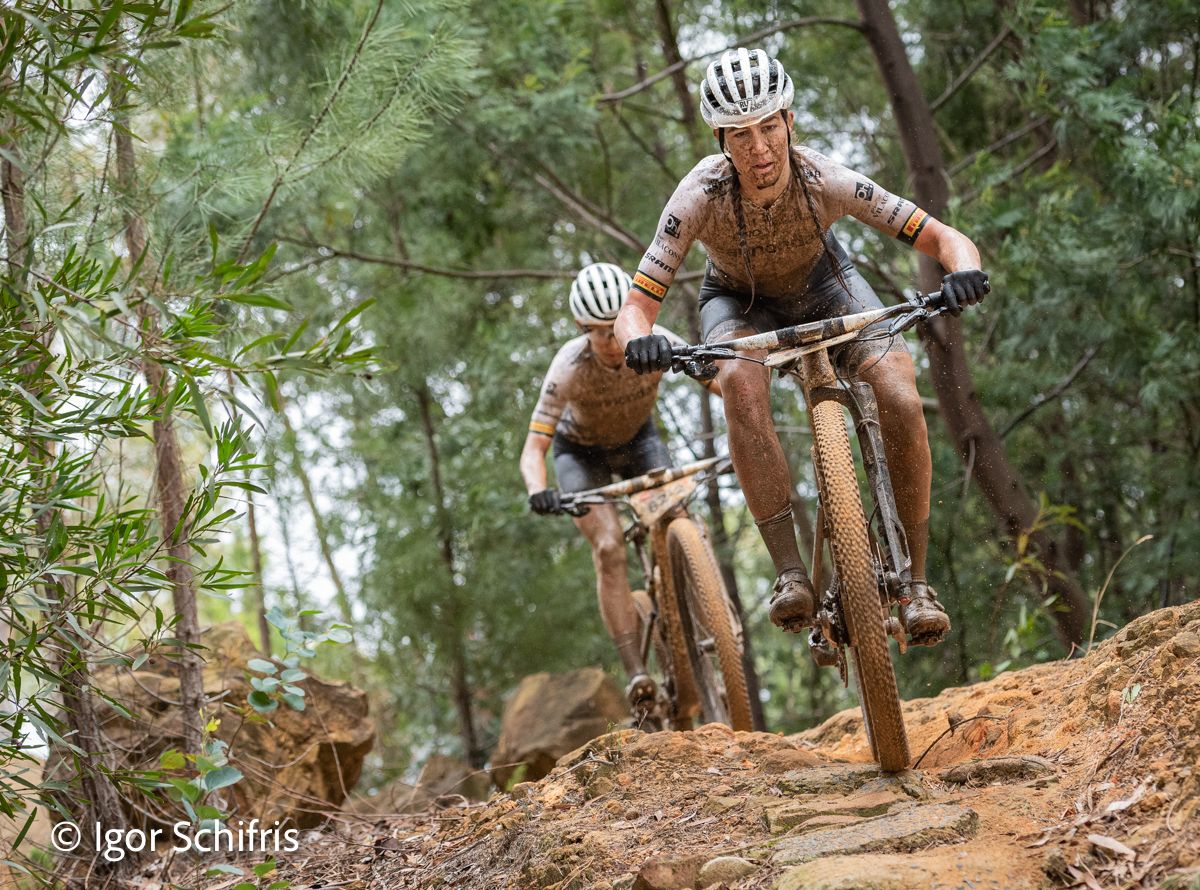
677	229
671	336
848	193
552	400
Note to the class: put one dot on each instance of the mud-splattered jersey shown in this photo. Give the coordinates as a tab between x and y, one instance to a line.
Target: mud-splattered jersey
592	404
782	239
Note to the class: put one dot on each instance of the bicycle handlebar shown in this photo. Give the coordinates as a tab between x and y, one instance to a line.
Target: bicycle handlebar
696	360
576	503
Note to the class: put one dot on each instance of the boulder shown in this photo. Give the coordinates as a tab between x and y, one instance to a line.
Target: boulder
552	714
444	781
296	764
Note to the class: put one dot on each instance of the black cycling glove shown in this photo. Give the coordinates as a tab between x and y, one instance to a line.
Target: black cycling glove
962	289
546	501
649	353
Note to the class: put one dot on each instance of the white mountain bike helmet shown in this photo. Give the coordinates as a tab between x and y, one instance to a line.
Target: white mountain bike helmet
743	87
598	293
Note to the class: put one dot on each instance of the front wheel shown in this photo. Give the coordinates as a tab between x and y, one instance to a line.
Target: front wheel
711	627
861	604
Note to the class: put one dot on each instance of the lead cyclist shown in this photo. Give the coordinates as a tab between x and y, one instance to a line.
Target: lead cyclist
763	208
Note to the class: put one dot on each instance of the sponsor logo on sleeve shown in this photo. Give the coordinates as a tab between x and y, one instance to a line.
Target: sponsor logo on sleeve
651	258
672	226
912	228
863	190
542	429
667	249
656	290
900	202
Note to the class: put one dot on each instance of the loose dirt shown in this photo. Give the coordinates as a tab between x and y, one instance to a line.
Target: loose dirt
1082	773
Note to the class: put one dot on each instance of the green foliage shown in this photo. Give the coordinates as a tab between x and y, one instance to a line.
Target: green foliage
372	140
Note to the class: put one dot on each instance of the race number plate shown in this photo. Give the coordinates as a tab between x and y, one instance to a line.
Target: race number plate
651	505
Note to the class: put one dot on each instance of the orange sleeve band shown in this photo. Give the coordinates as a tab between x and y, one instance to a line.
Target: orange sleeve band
654	289
912	228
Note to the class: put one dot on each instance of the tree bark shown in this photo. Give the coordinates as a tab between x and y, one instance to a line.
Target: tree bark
670	47
169	473
969	427
12	189
12	194
456	633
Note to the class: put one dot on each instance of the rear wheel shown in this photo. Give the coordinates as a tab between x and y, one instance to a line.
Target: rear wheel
711	627
861	604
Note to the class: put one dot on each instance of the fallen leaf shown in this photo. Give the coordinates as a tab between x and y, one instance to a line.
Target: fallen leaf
1117	805
1084	877
1112	844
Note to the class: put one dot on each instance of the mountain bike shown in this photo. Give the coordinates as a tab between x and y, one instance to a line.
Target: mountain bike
869	553
687	619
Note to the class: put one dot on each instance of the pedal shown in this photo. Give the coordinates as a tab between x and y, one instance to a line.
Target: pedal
926	639
822	653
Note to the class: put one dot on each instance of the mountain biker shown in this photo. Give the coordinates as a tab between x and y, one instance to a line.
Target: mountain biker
763	208
598	414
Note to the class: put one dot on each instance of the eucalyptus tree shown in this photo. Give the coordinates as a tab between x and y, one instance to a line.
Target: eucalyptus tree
82	561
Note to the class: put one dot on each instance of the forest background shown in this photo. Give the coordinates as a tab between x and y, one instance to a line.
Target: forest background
281	279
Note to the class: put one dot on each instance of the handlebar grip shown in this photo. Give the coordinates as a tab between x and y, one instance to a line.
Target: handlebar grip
935	301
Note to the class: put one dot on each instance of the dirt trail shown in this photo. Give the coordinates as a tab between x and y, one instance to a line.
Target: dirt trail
1082	773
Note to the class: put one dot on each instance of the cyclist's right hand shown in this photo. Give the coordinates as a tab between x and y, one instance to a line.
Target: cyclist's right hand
546	501
649	353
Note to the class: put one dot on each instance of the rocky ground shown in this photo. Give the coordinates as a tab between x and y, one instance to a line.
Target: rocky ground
1082	773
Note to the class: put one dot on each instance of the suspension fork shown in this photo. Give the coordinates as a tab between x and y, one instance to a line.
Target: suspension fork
637	535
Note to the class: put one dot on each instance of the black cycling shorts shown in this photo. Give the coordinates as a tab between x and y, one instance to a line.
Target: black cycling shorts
723	311
580	467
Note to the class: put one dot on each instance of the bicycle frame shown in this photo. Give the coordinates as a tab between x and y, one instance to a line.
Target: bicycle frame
802	351
655	499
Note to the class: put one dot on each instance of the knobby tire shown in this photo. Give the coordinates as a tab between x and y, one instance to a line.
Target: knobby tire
851	549
707	613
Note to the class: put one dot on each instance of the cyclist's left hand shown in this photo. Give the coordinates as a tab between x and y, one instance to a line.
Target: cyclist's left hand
962	289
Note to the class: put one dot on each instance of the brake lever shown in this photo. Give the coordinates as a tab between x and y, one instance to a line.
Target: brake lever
576	509
904	322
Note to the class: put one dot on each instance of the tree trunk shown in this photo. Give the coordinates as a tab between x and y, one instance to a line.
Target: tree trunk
456	634
70	651
260	597
340	595
169	473
12	189
670	48
978	443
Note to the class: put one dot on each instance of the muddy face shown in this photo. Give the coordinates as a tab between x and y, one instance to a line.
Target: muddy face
604	344
760	155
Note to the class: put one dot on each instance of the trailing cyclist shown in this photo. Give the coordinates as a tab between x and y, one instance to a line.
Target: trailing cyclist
763	208
598	414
